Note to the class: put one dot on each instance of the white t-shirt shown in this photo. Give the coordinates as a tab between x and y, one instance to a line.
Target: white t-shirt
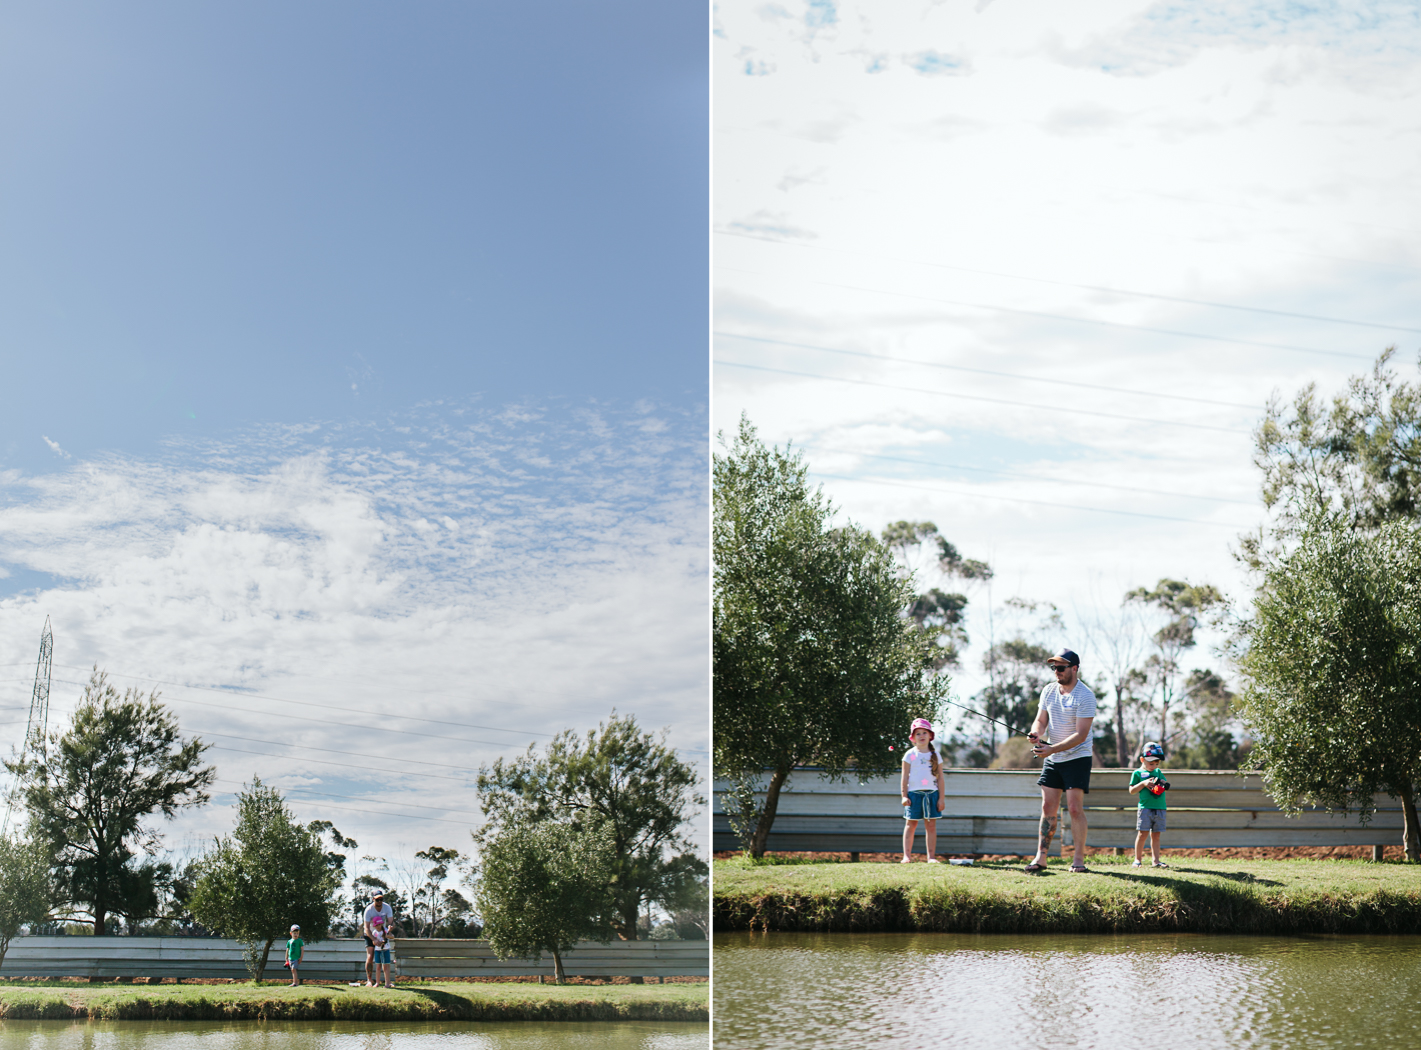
920	770
385	911
1063	710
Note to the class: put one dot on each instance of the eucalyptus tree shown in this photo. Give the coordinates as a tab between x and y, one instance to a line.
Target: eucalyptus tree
815	663
1332	670
1183	605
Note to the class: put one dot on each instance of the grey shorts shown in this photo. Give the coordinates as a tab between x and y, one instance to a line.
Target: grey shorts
1149	819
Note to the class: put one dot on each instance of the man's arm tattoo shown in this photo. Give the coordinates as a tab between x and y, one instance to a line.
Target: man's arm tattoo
1048	832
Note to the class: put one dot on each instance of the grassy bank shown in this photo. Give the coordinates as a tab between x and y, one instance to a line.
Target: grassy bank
1194	895
322	1002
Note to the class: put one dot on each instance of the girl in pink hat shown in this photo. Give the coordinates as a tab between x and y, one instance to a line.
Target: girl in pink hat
922	789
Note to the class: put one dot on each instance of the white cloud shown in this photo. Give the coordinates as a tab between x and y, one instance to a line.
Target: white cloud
54	447
527	569
1000	220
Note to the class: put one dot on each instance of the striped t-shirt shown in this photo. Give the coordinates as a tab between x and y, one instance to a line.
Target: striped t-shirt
1063	710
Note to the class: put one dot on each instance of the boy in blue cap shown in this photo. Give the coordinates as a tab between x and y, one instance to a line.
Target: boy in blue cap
1149	785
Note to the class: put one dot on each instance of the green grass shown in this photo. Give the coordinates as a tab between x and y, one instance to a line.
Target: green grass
320	1002
1193	895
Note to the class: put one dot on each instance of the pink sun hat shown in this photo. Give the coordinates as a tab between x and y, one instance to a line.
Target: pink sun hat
922	723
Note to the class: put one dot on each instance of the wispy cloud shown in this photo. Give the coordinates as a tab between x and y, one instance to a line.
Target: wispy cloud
528	569
54	447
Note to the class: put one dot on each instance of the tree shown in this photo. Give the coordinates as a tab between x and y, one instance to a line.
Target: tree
938	614
1356	461
1016	672
91	790
435	909
269	874
1207	740
544	886
616	779
1182	605
1332	669
26	890
814	662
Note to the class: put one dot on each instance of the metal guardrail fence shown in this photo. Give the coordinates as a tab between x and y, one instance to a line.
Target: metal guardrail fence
338	960
998	811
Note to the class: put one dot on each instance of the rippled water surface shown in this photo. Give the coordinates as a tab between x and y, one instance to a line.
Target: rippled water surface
1166	992
349	1035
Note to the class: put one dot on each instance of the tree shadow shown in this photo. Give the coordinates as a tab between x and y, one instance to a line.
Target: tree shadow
1167	877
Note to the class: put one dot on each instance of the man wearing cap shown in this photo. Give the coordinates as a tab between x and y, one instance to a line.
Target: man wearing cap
378	907
1068	707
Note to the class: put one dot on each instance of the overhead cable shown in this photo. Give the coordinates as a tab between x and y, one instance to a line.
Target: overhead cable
1053	504
987	372
979	397
1083	287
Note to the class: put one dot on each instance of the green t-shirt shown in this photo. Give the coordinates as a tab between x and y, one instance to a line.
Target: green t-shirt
1147	798
293	948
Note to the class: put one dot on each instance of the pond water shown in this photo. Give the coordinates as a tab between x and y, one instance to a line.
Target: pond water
350	1035
1178	992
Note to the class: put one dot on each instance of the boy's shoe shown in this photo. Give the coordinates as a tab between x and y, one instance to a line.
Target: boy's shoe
1136	864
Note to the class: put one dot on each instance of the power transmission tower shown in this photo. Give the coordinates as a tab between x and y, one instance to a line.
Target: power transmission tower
38	726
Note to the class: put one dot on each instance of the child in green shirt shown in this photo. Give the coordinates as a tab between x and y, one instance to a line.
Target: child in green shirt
295	949
1149	785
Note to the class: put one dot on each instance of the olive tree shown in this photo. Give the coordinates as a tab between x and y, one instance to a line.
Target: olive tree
1331	661
272	872
544	886
26	890
1354	459
621	780
815	662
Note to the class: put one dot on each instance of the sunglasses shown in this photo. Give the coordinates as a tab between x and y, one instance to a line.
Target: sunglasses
1060	667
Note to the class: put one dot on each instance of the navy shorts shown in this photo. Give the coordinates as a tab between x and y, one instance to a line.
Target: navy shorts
1067	775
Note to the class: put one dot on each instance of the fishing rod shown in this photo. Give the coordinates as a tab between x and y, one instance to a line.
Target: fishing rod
989	718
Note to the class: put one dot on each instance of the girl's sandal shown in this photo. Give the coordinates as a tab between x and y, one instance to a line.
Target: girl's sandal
1160	864
1080	869
1136	864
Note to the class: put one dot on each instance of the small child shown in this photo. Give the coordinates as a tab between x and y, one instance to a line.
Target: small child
295	949
380	935
1149	784
922	789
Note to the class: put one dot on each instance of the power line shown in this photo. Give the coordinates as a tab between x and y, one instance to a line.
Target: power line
356	798
987	372
344	765
1088	320
1054	504
239	691
1053	409
1030	477
1082	287
332	707
323	721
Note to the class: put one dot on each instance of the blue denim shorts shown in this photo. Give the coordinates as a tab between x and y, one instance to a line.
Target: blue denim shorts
382	955
922	805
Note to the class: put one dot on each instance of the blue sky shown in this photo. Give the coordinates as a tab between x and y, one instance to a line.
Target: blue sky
1032	272
354	368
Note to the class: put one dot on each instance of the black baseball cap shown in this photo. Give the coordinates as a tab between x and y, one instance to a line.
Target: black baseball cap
1066	655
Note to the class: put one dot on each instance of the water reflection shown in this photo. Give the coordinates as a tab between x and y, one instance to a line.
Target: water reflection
349	1035
1185	992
